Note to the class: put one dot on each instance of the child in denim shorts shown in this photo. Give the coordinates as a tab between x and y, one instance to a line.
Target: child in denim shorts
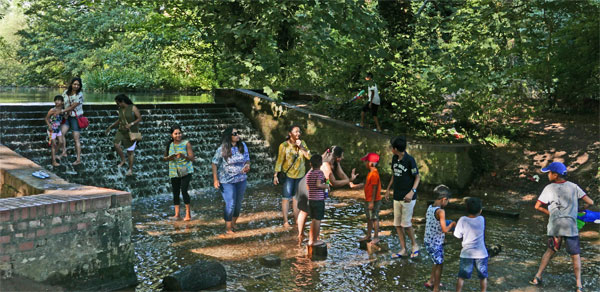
471	229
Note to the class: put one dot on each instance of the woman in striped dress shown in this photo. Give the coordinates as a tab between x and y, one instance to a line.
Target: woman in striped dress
180	156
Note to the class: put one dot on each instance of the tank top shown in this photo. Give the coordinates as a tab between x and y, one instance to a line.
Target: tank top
433	229
179	163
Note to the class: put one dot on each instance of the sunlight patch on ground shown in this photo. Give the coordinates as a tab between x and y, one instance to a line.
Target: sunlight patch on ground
259	232
247	250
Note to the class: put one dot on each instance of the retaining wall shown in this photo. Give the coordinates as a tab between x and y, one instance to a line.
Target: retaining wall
73	236
451	164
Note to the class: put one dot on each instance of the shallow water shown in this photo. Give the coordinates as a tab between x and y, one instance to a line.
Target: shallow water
163	246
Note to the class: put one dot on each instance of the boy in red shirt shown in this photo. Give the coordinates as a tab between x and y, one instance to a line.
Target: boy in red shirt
372	196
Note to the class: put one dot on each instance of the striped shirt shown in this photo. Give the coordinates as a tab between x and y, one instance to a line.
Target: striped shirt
181	162
314	193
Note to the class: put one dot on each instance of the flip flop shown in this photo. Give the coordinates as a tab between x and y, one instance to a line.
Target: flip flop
38	175
538	281
415	254
397	256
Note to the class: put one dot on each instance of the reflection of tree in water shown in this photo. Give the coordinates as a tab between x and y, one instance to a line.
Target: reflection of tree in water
304	270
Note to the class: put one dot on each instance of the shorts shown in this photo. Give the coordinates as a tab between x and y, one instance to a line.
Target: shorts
571	242
466	268
373	214
73	124
55	133
290	187
317	209
373	109
436	252
403	213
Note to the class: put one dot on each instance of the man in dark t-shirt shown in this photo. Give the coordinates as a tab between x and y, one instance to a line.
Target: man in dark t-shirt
405	181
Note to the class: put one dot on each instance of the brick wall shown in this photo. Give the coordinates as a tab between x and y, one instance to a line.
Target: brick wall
72	236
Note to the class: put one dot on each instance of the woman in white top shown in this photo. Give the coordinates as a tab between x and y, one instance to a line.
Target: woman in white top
73	97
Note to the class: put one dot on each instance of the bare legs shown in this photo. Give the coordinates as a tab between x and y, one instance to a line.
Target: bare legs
76	135
130	157
373	225
460	282
411	234
315	230
55	146
130	171
435	278
549	254
301	222
285	207
188	214
362	121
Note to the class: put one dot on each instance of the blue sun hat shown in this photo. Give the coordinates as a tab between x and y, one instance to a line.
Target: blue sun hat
556	167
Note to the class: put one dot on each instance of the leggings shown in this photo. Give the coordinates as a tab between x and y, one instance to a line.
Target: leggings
181	183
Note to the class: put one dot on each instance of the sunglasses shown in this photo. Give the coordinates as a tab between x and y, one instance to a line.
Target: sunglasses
235	133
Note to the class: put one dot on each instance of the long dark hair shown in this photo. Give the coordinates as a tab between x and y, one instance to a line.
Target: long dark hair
70	88
226	143
336	152
173	128
123	98
290	129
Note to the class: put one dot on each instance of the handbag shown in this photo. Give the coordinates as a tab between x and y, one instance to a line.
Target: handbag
133	136
182	171
282	175
82	121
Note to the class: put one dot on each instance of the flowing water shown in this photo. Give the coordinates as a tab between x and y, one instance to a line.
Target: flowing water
163	246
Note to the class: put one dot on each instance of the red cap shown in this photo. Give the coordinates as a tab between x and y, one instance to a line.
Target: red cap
371	157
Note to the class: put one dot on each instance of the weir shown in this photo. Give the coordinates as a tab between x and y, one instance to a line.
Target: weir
24	131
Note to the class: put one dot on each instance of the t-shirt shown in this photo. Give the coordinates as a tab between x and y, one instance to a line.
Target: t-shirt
561	199
73	99
287	161
229	170
372	180
405	171
374	96
312	177
471	230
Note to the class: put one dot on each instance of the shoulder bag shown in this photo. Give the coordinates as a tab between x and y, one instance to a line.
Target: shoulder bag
133	136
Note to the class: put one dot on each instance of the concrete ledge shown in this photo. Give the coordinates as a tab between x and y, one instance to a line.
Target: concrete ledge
450	164
63	234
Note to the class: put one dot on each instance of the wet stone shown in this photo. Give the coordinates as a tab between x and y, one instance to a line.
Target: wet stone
199	276
318	252
270	261
362	244
493	250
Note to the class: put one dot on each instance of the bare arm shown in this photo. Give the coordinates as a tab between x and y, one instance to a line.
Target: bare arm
216	182
190	153
47	119
374	193
588	200
442	215
138	117
408	197
387	191
539	207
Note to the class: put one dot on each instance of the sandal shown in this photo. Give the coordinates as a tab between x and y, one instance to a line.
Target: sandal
415	254
536	281
579	289
397	256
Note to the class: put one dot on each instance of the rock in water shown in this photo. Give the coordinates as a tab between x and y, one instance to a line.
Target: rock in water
270	261
362	244
493	250
200	276
318	252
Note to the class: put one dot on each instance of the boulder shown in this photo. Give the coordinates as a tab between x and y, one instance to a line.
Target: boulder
270	261
200	276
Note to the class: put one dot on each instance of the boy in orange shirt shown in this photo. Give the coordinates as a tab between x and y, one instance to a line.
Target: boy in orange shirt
372	196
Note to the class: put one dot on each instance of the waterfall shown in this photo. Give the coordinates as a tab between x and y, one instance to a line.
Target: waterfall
23	130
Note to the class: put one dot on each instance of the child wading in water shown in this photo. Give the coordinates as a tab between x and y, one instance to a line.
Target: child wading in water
435	227
561	198
471	229
372	196
315	182
53	120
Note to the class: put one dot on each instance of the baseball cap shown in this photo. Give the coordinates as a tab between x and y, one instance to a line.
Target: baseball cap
556	167
371	157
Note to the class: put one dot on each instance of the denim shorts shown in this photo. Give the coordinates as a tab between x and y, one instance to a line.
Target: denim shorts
571	243
372	214
466	268
290	187
73	124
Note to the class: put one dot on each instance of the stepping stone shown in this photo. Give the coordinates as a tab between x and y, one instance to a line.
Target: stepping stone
363	244
270	261
318	252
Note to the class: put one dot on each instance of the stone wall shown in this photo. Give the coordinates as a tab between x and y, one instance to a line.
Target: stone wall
451	164
73	236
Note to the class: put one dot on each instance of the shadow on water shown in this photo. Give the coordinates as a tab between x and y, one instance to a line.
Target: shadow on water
163	246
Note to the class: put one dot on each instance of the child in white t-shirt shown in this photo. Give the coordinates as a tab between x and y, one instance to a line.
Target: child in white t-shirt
471	229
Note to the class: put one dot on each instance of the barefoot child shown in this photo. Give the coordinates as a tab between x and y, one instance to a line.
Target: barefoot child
53	120
315	183
435	227
471	229
372	196
561	198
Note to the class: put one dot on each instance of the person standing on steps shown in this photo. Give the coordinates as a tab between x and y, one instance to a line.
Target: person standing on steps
373	105
179	154
291	158
128	122
73	97
230	166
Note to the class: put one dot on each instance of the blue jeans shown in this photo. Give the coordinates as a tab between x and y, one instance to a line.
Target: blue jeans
233	194
290	187
466	268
